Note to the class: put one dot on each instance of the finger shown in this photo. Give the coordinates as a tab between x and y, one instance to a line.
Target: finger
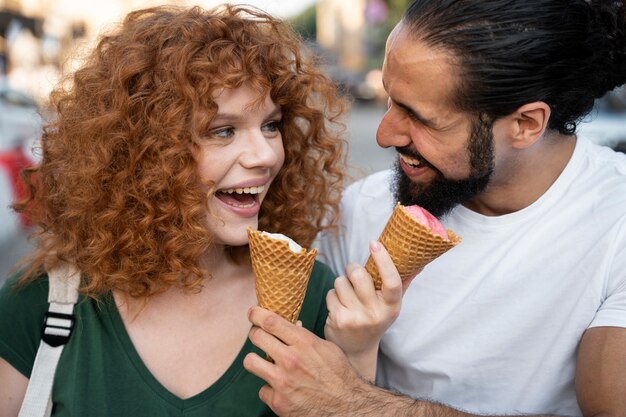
267	342
391	281
266	394
332	303
329	331
299	323
274	324
362	284
259	367
335	307
345	292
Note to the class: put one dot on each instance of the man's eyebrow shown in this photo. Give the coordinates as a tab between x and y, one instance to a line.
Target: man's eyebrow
412	113
415	115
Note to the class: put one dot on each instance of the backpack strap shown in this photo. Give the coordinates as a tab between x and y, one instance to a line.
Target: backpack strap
64	281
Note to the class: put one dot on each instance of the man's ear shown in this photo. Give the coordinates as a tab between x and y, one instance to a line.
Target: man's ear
529	123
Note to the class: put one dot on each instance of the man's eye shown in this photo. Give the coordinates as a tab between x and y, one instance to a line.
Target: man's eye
273	126
223	132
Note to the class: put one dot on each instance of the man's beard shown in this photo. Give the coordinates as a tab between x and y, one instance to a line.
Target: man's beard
441	195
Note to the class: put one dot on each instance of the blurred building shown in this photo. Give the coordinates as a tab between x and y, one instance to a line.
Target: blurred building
340	29
40	39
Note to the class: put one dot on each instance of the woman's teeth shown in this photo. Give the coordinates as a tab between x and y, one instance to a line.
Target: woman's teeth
410	161
252	203
246	190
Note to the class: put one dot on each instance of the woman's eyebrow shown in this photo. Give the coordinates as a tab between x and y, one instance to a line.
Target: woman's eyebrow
277	112
227	117
236	117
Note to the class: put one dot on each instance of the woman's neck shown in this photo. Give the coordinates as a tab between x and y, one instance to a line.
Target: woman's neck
224	277
220	264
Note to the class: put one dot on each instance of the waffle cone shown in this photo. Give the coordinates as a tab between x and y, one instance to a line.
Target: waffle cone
410	244
280	275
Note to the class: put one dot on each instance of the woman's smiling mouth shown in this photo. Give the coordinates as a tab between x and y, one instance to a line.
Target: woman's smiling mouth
242	200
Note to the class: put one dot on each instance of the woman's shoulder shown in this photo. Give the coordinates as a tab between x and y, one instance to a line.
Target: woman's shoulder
322	275
320	282
17	294
22	308
314	312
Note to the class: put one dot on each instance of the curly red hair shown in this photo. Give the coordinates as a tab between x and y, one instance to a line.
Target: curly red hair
118	191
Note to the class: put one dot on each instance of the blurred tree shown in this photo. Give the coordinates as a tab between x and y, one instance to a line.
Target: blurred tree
304	23
396	10
377	33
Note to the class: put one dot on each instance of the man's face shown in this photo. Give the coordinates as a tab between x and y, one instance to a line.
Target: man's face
441	195
446	156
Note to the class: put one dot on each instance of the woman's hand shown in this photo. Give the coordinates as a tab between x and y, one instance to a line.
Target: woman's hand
359	315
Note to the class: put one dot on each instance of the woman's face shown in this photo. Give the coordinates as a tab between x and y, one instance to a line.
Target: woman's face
242	153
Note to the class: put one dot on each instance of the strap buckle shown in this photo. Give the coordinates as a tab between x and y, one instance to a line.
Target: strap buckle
57	328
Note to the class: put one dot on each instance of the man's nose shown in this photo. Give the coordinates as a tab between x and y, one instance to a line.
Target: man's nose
393	130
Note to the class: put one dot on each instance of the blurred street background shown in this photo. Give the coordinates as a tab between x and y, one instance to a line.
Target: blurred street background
42	40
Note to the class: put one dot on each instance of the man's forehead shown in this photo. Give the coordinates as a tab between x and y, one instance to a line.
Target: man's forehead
405	47
419	77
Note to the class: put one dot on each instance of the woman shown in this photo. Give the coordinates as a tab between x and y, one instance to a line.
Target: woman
183	128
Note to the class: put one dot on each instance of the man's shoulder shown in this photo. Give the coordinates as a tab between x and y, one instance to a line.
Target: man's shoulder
606	175
368	201
607	159
374	186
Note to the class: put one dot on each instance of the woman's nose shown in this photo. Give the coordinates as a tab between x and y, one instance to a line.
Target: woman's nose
260	152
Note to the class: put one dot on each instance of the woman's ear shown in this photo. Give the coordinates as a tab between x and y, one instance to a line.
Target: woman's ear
529	123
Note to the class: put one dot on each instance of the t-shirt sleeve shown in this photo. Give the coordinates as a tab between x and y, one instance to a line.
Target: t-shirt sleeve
314	309
612	312
22	309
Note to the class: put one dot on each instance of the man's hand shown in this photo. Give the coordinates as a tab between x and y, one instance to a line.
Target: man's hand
309	376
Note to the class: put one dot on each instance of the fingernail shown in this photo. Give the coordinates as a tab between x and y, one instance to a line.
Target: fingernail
374	246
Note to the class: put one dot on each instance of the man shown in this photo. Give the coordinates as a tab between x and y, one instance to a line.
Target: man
527	315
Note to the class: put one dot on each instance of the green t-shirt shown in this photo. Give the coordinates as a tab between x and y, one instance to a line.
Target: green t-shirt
100	372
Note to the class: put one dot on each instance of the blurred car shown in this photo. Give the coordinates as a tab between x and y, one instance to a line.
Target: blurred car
606	125
20	129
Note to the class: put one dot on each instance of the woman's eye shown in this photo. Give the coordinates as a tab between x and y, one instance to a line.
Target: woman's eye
273	126
223	132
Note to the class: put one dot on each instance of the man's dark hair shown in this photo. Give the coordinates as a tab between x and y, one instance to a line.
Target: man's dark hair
565	53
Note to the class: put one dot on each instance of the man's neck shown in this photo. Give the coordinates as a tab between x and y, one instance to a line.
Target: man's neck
524	177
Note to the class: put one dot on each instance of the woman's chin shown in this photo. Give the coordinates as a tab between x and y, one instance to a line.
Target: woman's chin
233	236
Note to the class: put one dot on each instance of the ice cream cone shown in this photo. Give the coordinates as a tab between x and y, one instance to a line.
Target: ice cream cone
280	275
410	244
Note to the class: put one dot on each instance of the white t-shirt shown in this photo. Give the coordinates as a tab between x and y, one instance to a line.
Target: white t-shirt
493	325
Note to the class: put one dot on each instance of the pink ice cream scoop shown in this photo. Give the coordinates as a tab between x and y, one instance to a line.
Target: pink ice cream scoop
424	217
413	237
